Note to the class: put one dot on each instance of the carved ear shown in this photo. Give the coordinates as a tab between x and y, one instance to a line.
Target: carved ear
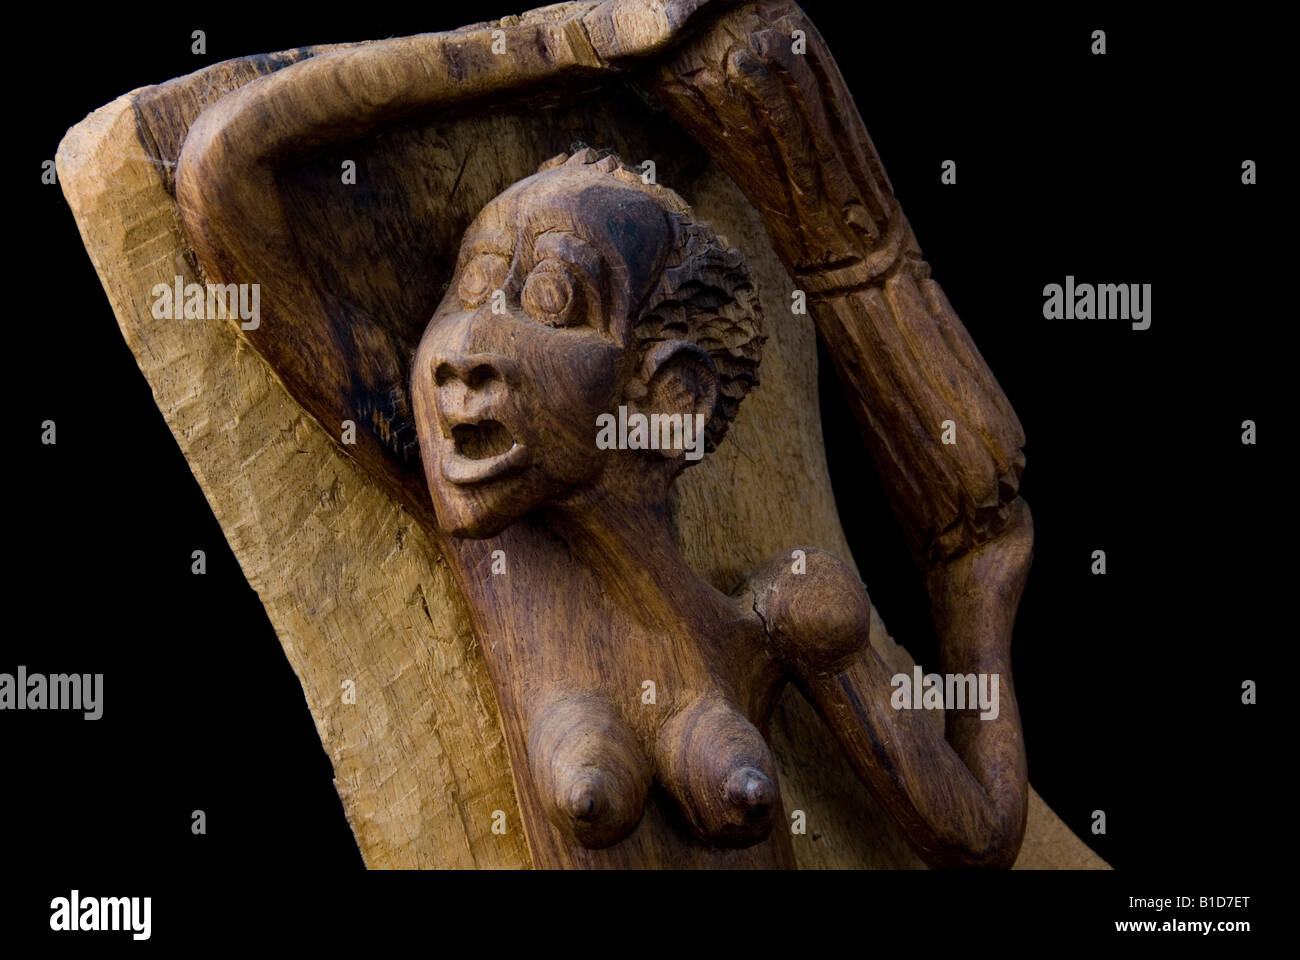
678	377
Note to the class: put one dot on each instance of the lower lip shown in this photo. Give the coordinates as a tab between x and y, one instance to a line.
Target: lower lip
463	471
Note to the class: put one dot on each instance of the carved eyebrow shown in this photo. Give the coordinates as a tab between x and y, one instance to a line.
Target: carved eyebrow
563	245
500	242
570	248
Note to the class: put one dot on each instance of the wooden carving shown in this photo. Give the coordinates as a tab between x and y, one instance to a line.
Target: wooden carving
531	356
581	291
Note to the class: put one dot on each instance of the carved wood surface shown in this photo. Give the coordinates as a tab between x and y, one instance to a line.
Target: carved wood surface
907	362
911	373
445	746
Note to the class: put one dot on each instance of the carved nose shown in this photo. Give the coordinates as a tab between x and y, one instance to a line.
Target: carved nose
474	370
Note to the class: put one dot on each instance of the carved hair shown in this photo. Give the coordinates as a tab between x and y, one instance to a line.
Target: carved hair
704	294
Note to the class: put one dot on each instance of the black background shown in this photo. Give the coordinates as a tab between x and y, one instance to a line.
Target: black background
1124	168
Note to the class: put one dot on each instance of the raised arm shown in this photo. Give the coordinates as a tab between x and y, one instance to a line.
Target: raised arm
961	800
945	440
339	363
761	92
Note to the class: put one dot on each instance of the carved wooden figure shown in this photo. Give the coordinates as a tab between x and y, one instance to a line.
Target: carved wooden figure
531	357
579	291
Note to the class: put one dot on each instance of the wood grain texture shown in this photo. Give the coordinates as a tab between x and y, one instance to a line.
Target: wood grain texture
225	418
353	587
943	435
907	363
611	296
579	290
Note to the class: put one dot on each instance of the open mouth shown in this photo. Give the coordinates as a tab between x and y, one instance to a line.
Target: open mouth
481	441
482	451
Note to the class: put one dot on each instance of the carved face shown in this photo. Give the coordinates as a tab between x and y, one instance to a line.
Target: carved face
528	346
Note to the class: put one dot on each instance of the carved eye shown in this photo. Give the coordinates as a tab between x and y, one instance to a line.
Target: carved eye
552	296
481	276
